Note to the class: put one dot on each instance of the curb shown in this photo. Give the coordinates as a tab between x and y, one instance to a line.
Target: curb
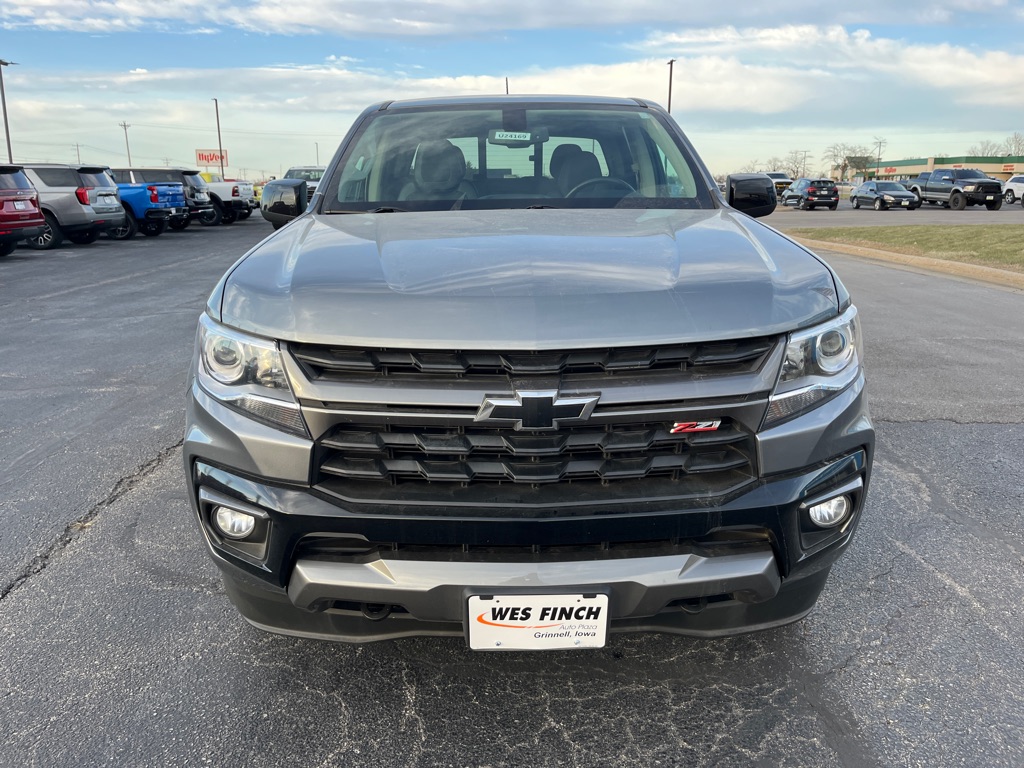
1002	277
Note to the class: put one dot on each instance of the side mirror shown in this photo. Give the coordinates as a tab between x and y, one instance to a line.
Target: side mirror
751	193
283	200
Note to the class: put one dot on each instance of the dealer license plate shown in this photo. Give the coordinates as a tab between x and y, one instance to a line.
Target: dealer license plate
21	205
990	197
905	202
537	622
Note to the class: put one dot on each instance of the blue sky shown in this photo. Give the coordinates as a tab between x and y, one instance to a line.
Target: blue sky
752	82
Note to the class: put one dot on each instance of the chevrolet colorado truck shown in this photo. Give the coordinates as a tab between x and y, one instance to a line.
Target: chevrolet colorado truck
520	373
958	188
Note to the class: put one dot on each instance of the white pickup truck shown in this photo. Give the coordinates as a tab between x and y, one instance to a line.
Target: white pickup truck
232	199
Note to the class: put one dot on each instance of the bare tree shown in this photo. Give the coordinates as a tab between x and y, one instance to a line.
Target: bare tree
836	156
1015	144
773	164
795	163
752	167
987	148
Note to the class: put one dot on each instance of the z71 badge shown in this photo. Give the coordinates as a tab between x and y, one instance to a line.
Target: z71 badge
694	426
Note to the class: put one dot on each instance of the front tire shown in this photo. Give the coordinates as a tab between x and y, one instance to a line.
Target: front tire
856	202
957	201
879	205
51	237
1009	198
179	224
127	230
228	216
995	205
212	217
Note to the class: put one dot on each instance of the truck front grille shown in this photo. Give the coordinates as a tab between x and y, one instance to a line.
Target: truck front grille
493	466
321	362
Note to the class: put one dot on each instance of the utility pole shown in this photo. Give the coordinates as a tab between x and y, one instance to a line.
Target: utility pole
671	65
506	86
880	142
126	126
78	152
3	99
220	147
317	145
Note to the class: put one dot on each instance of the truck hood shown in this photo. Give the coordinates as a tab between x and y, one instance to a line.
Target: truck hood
525	279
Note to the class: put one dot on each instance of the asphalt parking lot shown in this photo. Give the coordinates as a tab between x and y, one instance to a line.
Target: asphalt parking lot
118	645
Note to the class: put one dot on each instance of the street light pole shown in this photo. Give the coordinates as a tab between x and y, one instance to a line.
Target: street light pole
3	99
671	64
220	147
126	126
317	145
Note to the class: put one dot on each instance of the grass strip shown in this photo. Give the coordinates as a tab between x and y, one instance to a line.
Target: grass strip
998	245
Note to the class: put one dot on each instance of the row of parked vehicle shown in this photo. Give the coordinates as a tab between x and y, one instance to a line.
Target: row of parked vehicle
46	204
955	188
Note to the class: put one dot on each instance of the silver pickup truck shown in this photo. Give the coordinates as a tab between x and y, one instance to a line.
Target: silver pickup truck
519	373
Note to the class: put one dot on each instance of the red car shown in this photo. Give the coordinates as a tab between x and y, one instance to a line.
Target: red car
20	215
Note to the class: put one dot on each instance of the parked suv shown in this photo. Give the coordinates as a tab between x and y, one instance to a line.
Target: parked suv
20	215
1013	190
79	203
521	374
198	204
808	194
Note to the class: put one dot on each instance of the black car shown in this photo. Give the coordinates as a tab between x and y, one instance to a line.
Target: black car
807	194
882	195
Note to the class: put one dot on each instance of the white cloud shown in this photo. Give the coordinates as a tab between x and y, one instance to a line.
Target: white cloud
454	18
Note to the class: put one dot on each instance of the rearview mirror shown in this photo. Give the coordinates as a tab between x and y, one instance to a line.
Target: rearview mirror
751	193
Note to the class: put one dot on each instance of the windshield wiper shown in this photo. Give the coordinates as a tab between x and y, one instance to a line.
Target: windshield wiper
384	209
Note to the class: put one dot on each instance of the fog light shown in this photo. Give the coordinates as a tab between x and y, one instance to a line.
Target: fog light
830	513
233	524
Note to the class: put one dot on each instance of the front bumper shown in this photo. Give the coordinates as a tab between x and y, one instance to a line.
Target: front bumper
749	563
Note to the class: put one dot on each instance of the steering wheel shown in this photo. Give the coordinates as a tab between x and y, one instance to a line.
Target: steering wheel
607	180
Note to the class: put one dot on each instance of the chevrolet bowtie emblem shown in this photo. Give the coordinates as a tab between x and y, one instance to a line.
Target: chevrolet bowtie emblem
542	410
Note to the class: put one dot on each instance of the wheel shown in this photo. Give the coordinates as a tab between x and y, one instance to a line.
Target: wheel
6	249
179	224
84	238
127	230
1009	197
243	215
228	216
51	237
833	206
995	205
879	205
801	205
153	228
856	202
957	201
610	181
212	217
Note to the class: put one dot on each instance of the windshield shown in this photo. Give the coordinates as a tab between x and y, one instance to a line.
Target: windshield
306	174
890	186
970	174
514	156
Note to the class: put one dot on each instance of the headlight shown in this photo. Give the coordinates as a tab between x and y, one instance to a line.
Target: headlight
818	364
888	198
970	187
246	373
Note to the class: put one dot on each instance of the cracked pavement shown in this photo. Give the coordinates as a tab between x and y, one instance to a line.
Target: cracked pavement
118	645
